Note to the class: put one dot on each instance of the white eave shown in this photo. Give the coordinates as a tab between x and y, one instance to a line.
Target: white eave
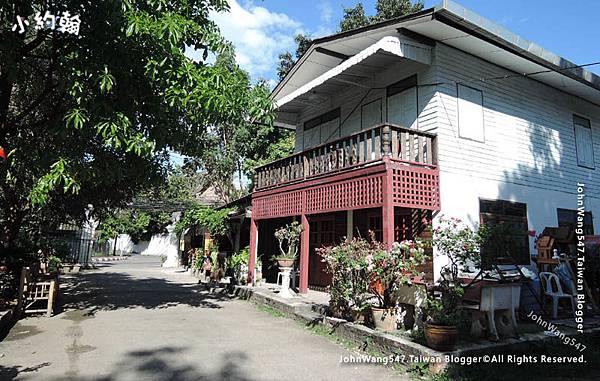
395	46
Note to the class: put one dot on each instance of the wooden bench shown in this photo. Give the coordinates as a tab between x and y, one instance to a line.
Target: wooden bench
37	295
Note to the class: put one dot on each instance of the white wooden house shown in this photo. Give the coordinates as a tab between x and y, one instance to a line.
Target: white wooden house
501	129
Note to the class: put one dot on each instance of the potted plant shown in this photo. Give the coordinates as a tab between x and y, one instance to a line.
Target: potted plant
288	237
460	244
349	290
391	269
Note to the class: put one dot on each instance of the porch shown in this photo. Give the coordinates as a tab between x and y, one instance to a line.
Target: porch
383	179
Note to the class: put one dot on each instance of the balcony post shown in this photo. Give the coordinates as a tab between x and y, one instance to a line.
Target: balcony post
386	140
253	249
304	246
387	210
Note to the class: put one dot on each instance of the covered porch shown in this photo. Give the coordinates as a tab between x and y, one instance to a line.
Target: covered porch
384	179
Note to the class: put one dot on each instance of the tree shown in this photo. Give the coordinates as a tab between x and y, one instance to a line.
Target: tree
286	60
390	9
89	118
354	17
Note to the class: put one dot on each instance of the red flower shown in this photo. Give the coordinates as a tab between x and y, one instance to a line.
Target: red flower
2	153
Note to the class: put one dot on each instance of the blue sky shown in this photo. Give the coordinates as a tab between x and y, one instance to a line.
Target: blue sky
261	29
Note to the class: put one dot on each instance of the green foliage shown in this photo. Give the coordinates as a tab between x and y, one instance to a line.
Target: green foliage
458	242
395	267
138	225
461	245
353	18
238	262
288	237
286	60
213	220
88	119
54	264
348	265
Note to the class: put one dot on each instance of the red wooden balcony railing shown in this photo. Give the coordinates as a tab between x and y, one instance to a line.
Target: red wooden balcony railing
356	150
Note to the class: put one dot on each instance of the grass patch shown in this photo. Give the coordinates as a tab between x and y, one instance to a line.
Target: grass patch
271	311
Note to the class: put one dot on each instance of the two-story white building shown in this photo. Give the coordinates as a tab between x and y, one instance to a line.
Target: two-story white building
441	112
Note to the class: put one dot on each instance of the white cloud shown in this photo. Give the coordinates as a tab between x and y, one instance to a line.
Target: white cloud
326	11
258	34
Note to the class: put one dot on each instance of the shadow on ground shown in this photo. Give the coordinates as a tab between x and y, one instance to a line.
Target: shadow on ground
109	291
159	364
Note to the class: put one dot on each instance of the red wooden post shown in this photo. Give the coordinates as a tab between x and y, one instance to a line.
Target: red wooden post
387	217
304	246
253	248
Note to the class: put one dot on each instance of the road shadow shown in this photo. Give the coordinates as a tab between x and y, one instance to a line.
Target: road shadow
166	363
109	291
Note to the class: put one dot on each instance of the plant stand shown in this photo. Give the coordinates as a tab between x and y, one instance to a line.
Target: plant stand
285	291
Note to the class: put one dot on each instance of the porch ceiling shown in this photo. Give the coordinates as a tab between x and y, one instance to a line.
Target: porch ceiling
357	70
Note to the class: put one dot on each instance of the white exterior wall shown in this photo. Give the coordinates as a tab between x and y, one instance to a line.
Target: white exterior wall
159	244
529	151
349	101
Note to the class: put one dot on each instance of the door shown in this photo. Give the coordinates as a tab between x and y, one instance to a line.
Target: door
322	233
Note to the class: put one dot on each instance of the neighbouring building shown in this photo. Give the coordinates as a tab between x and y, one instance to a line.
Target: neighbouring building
441	112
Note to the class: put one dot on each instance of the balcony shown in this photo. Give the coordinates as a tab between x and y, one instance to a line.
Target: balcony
384	165
351	152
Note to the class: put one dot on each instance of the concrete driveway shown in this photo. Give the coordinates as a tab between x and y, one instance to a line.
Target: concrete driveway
134	321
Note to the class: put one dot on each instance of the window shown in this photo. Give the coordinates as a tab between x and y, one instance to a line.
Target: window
402	103
583	142
470	113
371	114
322	128
568	218
511	238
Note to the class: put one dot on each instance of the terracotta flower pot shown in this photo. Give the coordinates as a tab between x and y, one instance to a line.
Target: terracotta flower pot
441	337
384	318
285	262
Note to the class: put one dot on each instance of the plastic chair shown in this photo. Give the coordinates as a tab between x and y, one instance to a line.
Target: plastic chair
553	289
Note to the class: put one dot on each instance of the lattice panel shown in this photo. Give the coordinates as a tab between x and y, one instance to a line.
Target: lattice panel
416	187
277	205
363	192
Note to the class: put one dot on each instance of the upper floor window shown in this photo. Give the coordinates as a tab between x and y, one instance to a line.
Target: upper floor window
322	128
583	142
402	102
470	113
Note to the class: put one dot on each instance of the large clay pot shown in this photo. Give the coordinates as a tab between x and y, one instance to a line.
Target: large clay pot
441	337
285	262
384	318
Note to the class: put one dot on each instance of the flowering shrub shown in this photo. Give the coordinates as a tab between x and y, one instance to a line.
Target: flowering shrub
395	267
357	266
288	237
461	245
349	265
458	242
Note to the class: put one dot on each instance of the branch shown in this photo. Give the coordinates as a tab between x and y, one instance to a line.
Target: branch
33	44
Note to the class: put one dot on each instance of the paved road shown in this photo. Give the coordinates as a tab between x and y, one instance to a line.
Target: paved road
134	321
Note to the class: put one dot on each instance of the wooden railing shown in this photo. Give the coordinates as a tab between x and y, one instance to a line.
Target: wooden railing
359	149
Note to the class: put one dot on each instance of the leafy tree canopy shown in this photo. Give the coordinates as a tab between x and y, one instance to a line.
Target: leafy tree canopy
354	17
89	118
213	220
